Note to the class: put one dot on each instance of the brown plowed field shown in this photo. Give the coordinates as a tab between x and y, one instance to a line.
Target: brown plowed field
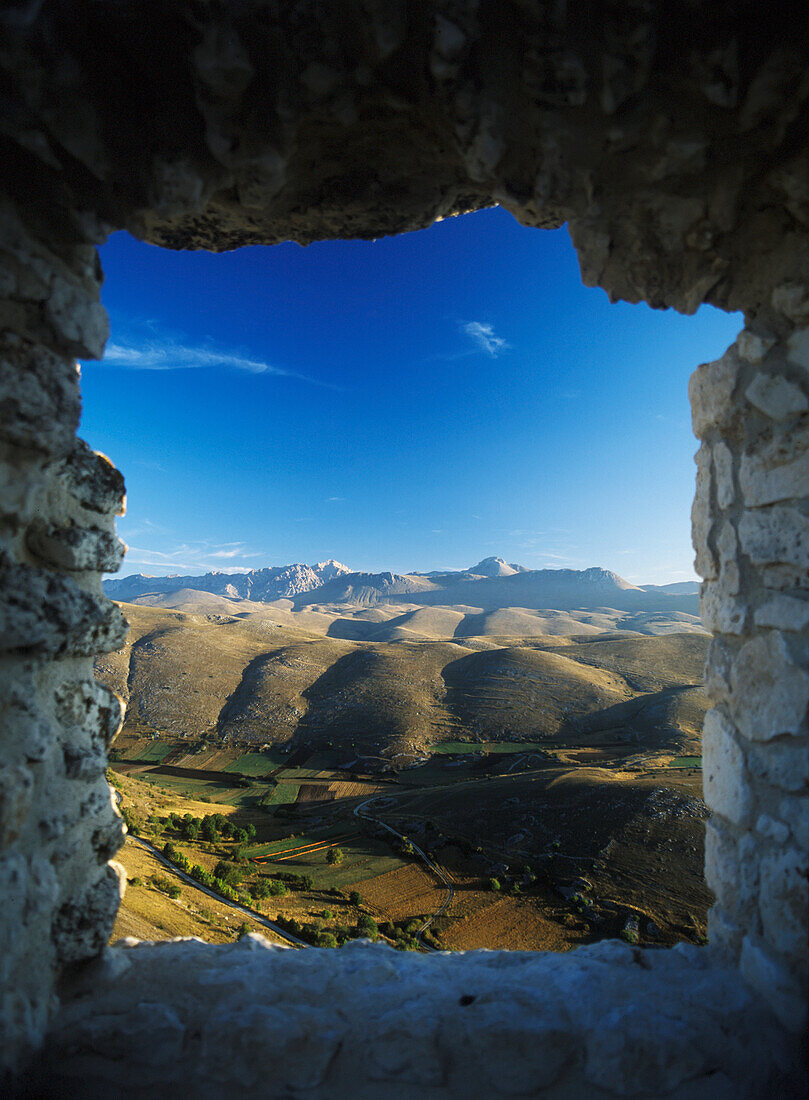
315	792
510	924
347	789
406	892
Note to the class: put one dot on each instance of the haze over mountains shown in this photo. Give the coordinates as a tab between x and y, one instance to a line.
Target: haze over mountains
489	585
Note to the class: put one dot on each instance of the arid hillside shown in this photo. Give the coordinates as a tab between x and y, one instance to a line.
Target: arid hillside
262	677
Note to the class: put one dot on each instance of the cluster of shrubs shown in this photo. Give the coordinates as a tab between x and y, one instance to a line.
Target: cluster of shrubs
366	928
404	933
227	877
166	886
211	828
511	883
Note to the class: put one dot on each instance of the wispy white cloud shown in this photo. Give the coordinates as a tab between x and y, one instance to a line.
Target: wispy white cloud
485	337
142	345
334	500
172	355
192	557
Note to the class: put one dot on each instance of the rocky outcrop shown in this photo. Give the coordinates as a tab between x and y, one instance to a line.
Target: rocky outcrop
273	583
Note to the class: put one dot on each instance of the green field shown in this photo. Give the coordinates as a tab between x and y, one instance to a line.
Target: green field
457	748
256	763
298	840
686	762
151	751
281	795
363	858
208	790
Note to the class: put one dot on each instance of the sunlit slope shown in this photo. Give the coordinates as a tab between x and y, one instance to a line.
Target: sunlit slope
250	680
428	615
522	692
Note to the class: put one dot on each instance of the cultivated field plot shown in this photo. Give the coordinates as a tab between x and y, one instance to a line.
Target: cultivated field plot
207	790
463	747
363	858
511	924
256	763
405	892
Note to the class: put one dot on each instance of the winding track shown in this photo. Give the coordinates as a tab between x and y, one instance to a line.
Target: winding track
288	936
360	811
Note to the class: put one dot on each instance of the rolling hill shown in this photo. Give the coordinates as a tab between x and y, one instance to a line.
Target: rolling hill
260	677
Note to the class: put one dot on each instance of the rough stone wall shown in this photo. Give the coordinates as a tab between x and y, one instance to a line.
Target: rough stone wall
673	140
368	1021
58	828
751	534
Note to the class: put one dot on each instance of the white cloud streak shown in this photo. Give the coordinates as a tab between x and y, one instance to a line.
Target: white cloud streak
201	557
485	337
162	353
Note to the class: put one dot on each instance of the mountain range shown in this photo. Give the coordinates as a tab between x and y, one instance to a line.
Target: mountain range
491	583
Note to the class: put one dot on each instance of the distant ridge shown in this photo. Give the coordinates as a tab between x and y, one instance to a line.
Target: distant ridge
260	585
490	584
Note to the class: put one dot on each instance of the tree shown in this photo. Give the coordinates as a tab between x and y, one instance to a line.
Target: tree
277	889
228	872
243	930
367	928
355	898
334	856
494	884
208	830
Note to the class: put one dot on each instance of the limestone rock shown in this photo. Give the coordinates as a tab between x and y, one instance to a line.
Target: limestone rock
46	613
93	480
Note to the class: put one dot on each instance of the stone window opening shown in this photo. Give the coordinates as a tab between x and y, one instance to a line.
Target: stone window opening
675	150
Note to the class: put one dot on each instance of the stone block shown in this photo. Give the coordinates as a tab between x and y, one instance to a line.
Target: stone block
702	518
777	471
723	465
752	347
725	780
622	1057
722	612
792	301
76	549
771	829
783	763
724	936
16	794
798	348
784	902
775	535
718	663
776	981
770	693
45	613
722	865
39	397
783	613
794	809
76	317
93	481
776	397
91	707
711	390
82	926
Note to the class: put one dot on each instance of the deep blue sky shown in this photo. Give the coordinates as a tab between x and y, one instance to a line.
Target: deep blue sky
416	402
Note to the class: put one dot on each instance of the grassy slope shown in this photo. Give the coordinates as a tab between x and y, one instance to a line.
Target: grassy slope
236	679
